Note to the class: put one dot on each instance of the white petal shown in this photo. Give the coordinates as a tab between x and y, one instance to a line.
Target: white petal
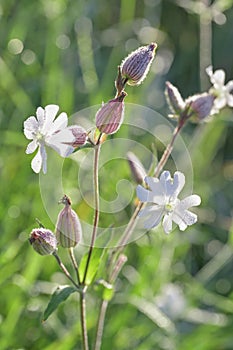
184	219
218	78
149	196
50	114
155	186
229	86
63	150
60	142
209	70
30	127
154	218
40	114
175	187
44	159
31	147
230	100
149	209
167	223
51	111
188	202
164	178
60	123
37	162
220	102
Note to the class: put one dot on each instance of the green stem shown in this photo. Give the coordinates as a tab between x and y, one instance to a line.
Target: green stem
132	223
74	262
96	203
83	319
100	326
66	272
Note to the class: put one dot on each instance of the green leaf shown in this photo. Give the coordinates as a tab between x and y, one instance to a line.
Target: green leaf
60	295
94	263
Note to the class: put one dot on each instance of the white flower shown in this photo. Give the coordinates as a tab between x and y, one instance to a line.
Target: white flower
163	195
43	130
219	90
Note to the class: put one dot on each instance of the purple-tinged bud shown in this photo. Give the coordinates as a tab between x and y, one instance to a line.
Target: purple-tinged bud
68	226
200	106
135	66
43	241
138	171
110	116
80	135
174	99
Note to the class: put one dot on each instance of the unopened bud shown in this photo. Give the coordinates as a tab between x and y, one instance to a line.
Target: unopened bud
201	106
137	169
174	99
110	116
68	226
134	68
80	136
43	241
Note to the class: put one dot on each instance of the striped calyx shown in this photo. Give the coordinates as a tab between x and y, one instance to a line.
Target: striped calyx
110	116
68	226
136	65
43	241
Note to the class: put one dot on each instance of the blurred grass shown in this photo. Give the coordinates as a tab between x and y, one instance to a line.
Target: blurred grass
68	54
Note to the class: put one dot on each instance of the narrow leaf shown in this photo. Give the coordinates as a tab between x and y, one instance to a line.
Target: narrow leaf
60	295
94	263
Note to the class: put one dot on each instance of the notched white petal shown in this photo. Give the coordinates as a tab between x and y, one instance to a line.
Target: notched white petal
190	201
37	162
51	111
154	185
218	78
167	223
153	219
40	114
60	123
31	147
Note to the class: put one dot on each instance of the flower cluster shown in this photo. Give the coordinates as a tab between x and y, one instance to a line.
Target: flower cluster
164	203
199	107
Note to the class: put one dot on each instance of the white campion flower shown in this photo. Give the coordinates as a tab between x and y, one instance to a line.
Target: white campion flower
164	203
222	92
45	130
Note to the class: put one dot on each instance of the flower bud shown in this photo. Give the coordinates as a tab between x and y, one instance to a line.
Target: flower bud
68	227
137	169
43	241
201	106
174	99
134	68
80	135
110	116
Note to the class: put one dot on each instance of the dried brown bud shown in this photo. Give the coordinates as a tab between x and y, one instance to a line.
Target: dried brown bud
68	227
137	169
43	241
110	116
135	66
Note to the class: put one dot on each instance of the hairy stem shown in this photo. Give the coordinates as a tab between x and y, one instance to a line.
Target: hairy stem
74	262
66	272
100	326
96	203
83	319
132	223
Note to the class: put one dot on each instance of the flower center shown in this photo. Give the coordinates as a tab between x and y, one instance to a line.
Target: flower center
169	207
39	136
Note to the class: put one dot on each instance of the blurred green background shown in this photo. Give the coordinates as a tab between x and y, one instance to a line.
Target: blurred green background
175	292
